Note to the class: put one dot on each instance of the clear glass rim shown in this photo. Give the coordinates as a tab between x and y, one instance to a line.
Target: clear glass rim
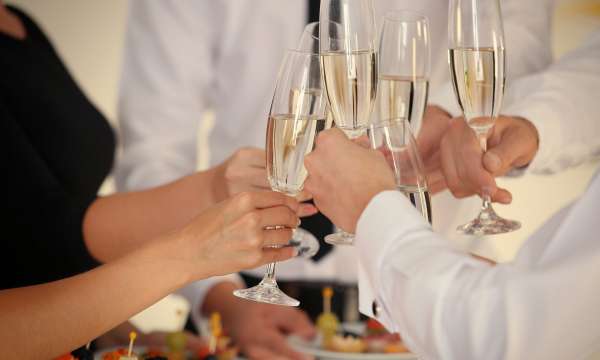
405	16
312	25
287	52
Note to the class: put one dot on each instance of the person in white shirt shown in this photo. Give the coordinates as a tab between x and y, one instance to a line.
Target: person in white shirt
183	58
446	303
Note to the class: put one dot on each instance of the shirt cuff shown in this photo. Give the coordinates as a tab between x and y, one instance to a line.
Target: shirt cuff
387	217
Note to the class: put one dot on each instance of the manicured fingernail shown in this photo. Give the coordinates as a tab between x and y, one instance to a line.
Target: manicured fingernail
493	161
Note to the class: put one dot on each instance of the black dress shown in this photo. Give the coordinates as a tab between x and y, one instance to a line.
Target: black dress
57	151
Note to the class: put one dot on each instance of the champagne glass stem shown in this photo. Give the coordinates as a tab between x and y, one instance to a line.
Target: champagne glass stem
270	275
487	200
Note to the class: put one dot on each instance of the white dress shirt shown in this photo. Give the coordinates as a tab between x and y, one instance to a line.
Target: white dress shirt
448	305
542	305
185	57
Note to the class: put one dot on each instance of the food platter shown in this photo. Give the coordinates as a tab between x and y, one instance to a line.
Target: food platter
315	347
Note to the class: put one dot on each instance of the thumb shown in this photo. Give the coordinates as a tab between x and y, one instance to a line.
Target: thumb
511	151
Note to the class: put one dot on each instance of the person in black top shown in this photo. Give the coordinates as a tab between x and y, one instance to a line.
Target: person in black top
58	149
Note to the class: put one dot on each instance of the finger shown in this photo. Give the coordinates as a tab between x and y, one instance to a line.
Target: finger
260	200
254	157
513	150
303	196
255	177
270	255
278	216
437	187
307	209
363	141
436	182
433	162
297	322
278	345
476	176
277	237
502	196
449	169
258	353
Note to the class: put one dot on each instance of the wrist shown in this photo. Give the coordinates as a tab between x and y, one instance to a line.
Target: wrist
216	178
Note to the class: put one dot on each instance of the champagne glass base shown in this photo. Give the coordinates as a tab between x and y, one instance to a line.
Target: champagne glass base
489	223
266	292
340	238
305	243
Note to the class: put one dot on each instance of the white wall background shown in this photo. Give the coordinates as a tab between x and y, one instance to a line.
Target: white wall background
89	35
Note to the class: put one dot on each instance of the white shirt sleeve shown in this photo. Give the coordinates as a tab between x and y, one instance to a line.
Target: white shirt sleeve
448	305
563	103
164	89
527	30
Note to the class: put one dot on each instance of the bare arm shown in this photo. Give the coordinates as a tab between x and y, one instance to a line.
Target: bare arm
43	321
117	224
46	320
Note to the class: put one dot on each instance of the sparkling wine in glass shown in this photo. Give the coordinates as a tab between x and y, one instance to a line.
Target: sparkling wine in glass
298	113
477	66
394	139
404	55
349	64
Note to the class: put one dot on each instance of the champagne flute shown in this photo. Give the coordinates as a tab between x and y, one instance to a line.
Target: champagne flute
404	55
349	63
394	139
297	115
304	241
477	61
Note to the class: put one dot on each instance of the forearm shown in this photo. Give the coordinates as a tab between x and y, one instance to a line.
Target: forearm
120	223
43	321
220	299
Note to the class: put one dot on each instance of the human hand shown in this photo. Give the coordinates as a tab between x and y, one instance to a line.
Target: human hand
436	122
259	330
344	177
467	170
246	170
232	236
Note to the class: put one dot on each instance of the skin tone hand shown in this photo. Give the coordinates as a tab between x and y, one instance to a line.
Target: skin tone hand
512	143
246	170
344	177
46	320
233	232
436	122
260	330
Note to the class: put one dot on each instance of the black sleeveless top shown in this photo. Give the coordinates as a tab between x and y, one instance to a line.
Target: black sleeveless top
57	150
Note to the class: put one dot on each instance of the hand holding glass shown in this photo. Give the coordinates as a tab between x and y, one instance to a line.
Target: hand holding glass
477	61
298	114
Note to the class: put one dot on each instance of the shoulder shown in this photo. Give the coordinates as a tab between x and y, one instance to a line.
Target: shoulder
34	31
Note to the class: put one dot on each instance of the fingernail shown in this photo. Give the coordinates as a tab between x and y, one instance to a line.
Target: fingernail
505	198
493	161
